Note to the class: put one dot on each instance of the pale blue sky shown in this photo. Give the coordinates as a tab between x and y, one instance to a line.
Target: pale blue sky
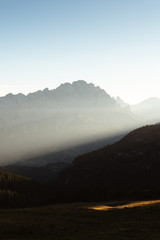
113	43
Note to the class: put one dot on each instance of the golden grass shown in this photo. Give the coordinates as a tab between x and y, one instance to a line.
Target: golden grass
129	205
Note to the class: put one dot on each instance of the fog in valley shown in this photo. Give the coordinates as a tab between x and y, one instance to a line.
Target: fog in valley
50	121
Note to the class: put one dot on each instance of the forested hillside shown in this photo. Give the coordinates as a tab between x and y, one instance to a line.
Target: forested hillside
18	191
128	168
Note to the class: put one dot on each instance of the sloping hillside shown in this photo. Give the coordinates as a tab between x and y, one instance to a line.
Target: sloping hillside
128	168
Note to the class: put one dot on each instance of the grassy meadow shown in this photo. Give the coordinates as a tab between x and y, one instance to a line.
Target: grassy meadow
75	221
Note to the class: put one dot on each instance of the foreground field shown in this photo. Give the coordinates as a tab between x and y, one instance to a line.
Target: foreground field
77	222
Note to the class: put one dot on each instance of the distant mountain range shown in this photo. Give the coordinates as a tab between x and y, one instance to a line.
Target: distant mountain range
149	109
128	168
53	120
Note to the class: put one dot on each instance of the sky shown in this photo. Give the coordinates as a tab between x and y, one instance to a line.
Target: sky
113	44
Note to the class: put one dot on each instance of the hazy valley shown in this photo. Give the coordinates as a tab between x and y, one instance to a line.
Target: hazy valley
43	132
50	121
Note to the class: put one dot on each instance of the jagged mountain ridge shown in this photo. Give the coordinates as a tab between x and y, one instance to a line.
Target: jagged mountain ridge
79	91
127	168
49	120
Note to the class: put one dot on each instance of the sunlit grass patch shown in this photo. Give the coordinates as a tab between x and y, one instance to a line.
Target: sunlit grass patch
129	205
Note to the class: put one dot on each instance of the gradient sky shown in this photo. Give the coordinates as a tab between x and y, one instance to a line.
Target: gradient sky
114	44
